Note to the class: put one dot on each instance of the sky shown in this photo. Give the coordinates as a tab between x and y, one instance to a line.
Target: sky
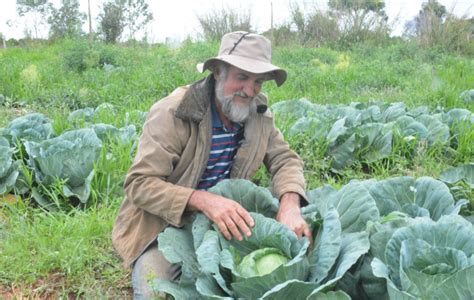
176	20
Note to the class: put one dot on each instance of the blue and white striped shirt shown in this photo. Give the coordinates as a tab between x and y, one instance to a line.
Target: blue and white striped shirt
224	145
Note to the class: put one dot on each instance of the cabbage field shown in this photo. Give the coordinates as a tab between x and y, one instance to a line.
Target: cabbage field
386	134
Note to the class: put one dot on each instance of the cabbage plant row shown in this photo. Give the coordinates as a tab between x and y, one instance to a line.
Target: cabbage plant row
399	238
49	167
365	132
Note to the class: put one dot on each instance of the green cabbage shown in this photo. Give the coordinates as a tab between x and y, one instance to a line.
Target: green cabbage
261	262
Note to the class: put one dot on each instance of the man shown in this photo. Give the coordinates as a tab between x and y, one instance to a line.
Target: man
216	128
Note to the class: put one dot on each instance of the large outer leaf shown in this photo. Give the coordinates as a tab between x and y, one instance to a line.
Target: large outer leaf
9	170
201	225
319	195
253	198
374	141
177	290
406	126
32	127
291	289
332	295
353	202
435	196
381	270
312	127
207	287
456	235
394	111
293	108
177	246
110	134
455	174
338	129
457	115
296	289
327	248
267	232
353	246
458	286
209	260
83	191
437	131
399	193
6	160
355	206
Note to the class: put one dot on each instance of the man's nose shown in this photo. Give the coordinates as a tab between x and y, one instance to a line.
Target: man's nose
249	89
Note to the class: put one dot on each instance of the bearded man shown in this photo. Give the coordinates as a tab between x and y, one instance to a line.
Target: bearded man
213	129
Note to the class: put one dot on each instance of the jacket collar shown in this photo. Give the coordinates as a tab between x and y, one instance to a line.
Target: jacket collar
196	100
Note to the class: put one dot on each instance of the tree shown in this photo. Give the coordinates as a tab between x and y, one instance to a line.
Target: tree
360	19
218	22
118	15
111	22
66	22
434	25
136	14
36	9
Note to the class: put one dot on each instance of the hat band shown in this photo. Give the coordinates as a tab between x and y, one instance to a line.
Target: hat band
236	43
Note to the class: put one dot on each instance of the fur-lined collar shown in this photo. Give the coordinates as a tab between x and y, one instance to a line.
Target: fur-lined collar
196	100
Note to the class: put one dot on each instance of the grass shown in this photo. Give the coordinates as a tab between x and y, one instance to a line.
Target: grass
69	253
56	254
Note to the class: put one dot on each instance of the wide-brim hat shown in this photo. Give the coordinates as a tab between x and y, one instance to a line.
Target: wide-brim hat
247	51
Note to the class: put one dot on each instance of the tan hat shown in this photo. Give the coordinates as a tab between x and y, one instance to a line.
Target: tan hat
247	51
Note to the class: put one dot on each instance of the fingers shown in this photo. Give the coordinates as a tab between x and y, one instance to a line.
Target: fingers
243	223
232	219
302	229
233	229
223	229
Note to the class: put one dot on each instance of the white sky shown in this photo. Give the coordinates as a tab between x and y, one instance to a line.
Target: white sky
176	19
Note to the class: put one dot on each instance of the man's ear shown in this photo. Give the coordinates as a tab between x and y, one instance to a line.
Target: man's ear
216	72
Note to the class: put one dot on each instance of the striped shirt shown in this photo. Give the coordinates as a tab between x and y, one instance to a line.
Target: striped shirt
224	145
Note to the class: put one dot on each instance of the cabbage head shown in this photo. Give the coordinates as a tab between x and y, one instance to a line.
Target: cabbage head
429	260
32	127
270	264
261	262
69	157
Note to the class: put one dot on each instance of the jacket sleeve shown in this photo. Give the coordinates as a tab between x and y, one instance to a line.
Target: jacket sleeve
161	144
285	166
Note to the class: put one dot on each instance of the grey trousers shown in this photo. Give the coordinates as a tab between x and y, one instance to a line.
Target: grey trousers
149	266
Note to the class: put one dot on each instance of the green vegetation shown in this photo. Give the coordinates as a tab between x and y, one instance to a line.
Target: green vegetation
68	252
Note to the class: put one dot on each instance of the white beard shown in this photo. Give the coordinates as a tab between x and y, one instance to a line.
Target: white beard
236	113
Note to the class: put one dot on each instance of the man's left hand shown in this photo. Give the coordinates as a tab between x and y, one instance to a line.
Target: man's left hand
289	214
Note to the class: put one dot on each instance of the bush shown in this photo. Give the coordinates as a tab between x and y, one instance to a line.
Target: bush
436	27
81	56
340	26
218	22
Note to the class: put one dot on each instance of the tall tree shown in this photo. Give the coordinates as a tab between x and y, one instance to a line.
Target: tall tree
111	21
66	22
359	17
119	15
137	15
37	10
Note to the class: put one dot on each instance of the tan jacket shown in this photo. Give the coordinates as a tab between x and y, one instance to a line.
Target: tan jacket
172	156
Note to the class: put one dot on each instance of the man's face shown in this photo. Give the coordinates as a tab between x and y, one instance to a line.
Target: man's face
236	93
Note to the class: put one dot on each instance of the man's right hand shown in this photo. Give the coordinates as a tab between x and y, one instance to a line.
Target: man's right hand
231	218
